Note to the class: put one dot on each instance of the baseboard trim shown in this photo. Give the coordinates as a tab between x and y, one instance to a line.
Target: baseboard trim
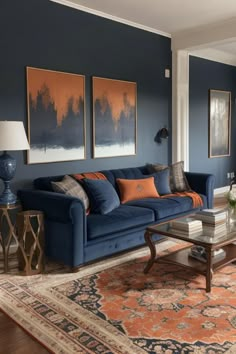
221	190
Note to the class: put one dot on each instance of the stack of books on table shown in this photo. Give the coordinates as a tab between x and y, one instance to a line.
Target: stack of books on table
186	226
213	221
199	252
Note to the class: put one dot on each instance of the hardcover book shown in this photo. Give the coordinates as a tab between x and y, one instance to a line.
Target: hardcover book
187	224
214	230
212	219
210	212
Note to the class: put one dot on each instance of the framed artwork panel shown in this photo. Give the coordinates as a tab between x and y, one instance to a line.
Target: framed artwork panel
219	123
56	116
114	117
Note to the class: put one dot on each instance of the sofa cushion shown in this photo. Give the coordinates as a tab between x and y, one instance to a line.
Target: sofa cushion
124	173
123	218
165	207
162	181
70	187
102	195
132	189
178	180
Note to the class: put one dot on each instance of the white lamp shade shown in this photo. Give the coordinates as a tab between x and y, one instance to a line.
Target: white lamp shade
12	136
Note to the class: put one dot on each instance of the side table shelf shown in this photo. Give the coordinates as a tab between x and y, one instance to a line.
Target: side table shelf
30	233
8	236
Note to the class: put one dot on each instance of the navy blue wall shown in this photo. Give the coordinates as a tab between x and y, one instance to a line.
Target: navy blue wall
43	34
204	75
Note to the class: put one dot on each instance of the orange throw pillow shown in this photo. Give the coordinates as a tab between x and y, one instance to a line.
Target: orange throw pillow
133	189
89	175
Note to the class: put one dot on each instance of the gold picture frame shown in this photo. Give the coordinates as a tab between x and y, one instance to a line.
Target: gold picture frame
219	123
56	116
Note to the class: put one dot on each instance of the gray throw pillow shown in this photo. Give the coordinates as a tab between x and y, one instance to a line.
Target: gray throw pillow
70	186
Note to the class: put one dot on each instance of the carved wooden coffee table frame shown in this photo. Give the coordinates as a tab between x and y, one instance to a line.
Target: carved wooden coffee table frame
181	257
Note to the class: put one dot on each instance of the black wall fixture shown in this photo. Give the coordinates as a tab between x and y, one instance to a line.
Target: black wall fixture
161	134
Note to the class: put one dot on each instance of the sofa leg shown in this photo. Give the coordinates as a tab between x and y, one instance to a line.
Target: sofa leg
75	269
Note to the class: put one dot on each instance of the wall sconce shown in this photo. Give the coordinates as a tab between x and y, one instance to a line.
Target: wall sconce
161	134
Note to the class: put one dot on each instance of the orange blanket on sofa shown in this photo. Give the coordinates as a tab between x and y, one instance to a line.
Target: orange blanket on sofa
196	199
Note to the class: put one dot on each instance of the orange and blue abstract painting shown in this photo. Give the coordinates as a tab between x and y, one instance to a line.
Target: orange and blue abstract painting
56	118
114	118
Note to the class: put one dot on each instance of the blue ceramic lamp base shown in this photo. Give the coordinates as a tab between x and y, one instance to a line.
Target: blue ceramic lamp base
7	172
7	197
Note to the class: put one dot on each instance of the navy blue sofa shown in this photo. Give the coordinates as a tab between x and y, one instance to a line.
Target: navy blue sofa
74	239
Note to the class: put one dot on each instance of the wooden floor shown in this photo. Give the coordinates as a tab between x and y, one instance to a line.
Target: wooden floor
13	340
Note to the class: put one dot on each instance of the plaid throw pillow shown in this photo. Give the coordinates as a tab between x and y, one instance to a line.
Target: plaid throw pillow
178	180
70	187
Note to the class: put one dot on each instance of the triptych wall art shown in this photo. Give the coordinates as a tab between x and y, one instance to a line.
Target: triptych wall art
56	116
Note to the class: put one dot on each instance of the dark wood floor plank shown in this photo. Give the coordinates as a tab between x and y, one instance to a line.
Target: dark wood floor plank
14	340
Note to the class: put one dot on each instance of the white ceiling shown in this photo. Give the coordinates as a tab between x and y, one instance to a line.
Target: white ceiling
168	17
228	47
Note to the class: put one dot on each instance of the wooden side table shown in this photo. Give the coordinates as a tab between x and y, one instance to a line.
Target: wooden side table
30	233
8	235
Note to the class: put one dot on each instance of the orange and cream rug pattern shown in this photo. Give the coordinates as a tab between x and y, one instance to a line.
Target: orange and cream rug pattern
112	307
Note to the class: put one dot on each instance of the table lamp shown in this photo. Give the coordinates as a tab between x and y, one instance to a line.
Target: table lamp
12	137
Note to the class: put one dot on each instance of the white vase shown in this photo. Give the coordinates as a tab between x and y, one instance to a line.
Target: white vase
232	214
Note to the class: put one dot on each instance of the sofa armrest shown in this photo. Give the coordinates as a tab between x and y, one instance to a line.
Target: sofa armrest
202	183
65	224
56	206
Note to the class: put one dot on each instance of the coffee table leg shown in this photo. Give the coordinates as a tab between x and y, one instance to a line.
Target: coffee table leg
151	245
209	271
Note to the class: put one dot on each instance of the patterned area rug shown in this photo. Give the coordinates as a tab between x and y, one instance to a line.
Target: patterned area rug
114	308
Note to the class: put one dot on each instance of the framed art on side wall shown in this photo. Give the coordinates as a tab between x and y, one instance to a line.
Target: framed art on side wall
114	118
219	123
56	116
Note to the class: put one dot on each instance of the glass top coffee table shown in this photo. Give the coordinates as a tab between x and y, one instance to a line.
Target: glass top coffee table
225	240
